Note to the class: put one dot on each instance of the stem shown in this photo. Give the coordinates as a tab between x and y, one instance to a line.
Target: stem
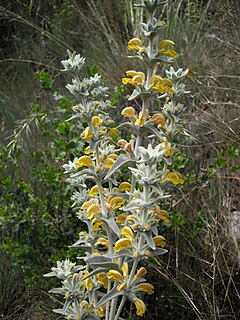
108	303
109	235
133	271
97	156
119	308
113	308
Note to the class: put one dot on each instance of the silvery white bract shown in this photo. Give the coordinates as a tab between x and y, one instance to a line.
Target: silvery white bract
77	180
178	74
151	155
74	63
79	197
79	87
64	269
70	166
180	89
146	174
57	96
99	92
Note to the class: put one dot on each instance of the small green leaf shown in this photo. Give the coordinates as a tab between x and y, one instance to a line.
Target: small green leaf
220	162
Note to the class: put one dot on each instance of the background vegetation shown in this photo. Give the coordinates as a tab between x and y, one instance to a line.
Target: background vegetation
199	277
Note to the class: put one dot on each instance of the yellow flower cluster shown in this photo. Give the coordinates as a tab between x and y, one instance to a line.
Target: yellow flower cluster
137	78
123	280
164	47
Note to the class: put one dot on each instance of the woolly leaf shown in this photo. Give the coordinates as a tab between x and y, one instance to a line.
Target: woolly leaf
149	239
121	160
159	252
96	271
112	224
109	296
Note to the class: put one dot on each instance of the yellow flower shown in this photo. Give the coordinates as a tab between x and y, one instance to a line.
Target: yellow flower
169	52
75	108
121	218
122	143
140	121
92	208
84	161
116	202
96	224
131	218
128	112
146	287
142	117
161	84
84	303
165	43
124	186
127	232
167	145
113	132
103	242
161	214
122	286
175	178
159	241
114	275
123	243
87	133
86	205
102	279
168	152
141	307
125	269
162	48
158	118
137	78
93	191
92	211
141	273
96	121
113	156
147	226
89	284
136	44
109	162
82	234
102	130
87	150
100	312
